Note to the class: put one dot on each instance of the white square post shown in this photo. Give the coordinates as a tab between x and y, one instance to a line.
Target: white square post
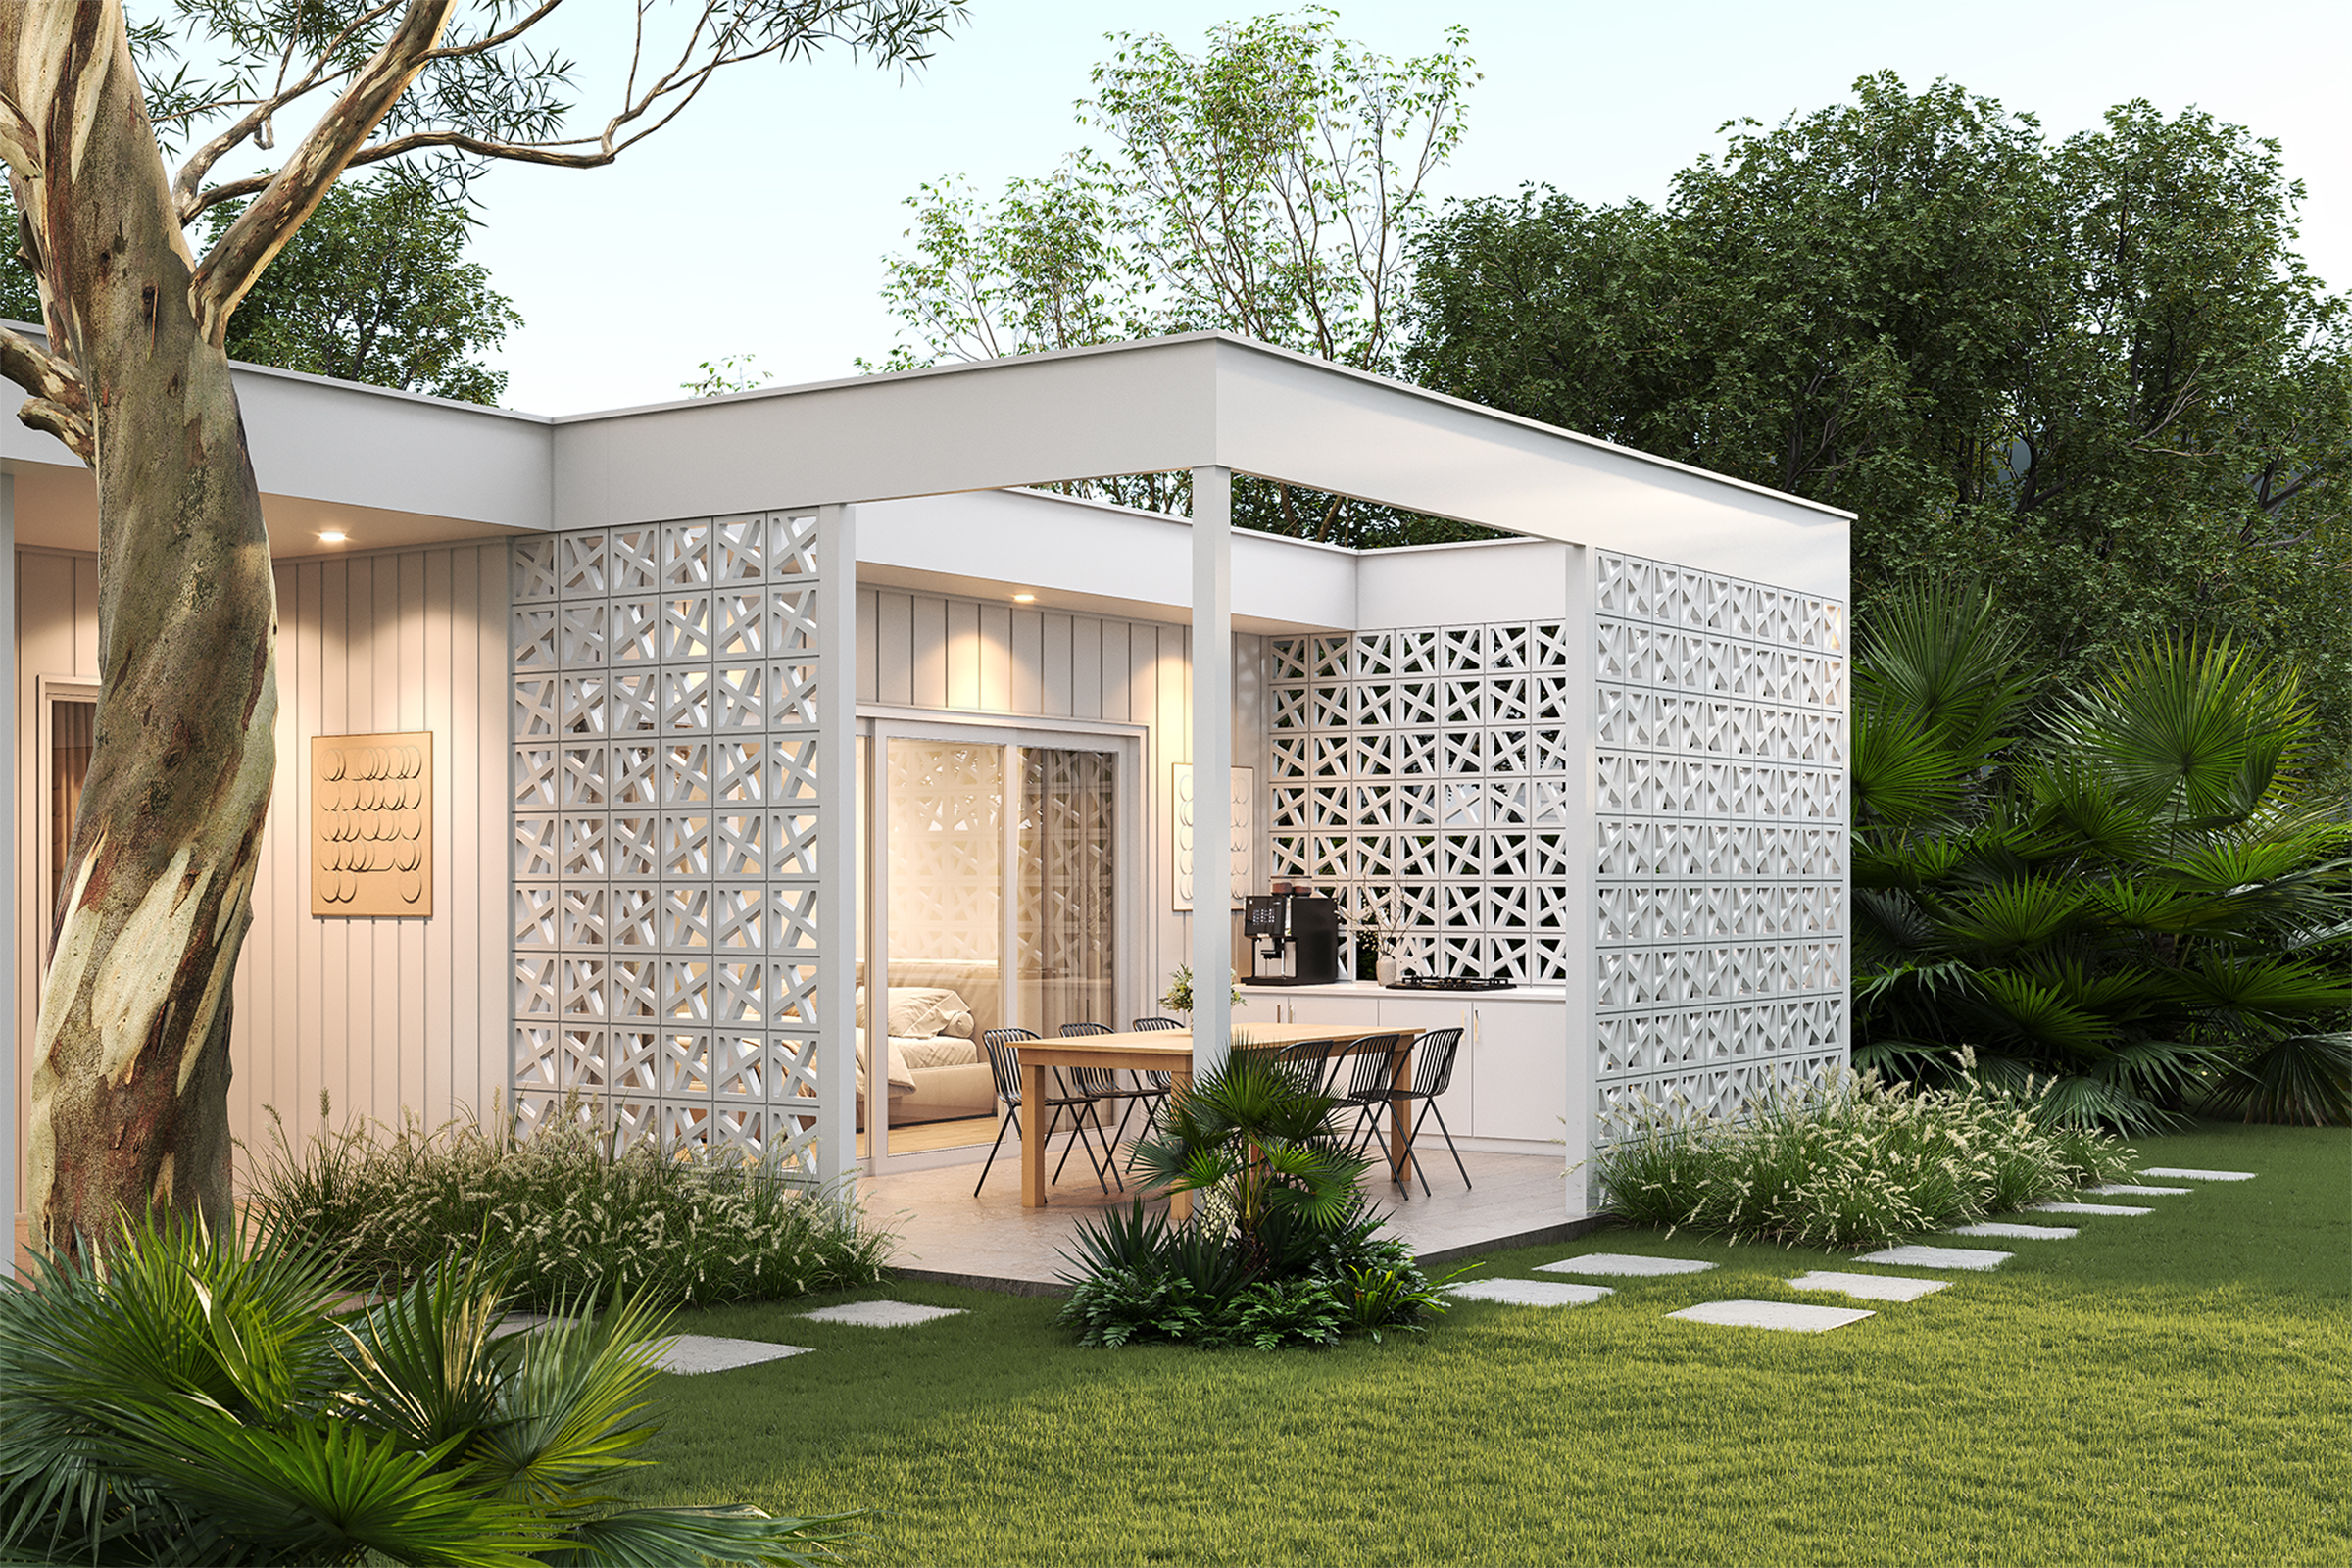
1212	765
837	844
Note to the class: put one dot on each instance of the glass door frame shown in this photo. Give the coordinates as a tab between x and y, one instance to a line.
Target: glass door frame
877	727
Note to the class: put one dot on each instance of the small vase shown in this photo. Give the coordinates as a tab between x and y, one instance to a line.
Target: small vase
1385	968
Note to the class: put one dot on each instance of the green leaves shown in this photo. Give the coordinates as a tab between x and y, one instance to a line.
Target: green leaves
191	1398
2090	372
2126	893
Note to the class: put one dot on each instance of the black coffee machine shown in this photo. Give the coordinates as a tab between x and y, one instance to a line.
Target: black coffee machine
1294	939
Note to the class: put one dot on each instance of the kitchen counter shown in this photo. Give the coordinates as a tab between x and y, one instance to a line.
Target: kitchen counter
1374	989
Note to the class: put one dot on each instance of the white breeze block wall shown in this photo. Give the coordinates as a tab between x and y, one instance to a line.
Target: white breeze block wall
665	804
1722	938
1433	771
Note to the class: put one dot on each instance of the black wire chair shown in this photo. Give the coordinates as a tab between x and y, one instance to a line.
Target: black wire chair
1433	1074
1004	1065
1102	1083
1369	1091
1157	1086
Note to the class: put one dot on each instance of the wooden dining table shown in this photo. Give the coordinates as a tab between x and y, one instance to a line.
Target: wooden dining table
1170	1051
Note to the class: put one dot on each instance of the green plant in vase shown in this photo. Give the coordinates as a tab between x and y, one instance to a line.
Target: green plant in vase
1178	998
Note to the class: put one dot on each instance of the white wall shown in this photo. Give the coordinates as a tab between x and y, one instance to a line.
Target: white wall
384	1015
952	655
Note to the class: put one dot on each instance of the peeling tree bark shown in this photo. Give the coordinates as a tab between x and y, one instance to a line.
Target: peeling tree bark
131	1070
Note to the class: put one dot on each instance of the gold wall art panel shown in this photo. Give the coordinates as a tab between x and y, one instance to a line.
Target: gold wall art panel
372	825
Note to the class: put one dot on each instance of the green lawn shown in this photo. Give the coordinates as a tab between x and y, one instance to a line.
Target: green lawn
2169	1388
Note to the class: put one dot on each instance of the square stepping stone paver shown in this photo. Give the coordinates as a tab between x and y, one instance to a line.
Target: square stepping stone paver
2021	1233
1974	1257
2123	1190
881	1315
2087	1208
2185	1174
1531	1293
1624	1263
1868	1287
1792	1317
692	1354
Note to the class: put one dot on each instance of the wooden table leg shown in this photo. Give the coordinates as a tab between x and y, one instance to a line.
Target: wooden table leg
1180	1204
1034	1116
1400	1109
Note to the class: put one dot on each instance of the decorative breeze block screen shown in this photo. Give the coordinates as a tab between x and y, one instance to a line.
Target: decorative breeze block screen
1430	775
665	801
1427	775
1721	933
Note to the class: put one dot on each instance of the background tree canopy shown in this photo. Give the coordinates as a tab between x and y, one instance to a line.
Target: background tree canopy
2092	375
374	287
1269	184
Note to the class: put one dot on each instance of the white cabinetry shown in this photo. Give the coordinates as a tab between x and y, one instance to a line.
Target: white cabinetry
1510	1075
1522	1082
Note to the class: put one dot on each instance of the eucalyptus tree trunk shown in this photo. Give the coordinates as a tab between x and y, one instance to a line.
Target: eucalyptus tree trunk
130	1074
130	1070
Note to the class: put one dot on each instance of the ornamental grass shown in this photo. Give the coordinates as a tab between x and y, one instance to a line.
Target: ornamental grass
1853	1164
576	1215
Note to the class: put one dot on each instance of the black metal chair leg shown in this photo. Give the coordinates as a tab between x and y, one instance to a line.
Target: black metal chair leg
1078	1136
1429	1108
1013	1118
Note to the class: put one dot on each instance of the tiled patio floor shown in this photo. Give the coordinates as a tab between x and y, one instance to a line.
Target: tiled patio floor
947	1234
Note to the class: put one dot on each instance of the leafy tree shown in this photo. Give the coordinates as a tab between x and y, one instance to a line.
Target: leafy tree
130	1056
376	287
1269	185
2092	374
2131	892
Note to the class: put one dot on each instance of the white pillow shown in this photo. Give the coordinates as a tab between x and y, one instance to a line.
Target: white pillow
917	1012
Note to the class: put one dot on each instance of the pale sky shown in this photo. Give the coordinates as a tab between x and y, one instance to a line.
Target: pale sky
757	224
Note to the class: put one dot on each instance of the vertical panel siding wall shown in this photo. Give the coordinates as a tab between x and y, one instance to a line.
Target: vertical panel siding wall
382	1015
926	651
385	1017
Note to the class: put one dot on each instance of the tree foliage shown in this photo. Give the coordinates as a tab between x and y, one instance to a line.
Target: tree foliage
1270	184
2130	888
2092	374
376	289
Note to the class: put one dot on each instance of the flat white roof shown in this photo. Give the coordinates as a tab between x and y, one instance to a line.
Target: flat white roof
420	468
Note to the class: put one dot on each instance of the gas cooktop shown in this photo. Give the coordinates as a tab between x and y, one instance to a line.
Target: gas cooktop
1446	982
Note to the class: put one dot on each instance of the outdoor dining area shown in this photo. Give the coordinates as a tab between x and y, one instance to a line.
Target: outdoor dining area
1384	1087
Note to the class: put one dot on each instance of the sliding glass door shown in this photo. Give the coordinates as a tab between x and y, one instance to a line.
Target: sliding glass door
998	855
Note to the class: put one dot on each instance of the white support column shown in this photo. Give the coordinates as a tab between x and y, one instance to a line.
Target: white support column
1212	765
1584	883
11	1071
837	844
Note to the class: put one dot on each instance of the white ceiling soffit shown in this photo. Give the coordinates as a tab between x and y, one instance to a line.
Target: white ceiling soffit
1181	403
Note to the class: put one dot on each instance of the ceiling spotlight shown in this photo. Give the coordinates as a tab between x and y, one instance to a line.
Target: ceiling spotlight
1024	599
333	536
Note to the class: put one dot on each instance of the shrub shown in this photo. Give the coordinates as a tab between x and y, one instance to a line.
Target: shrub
1282	1249
193	1397
1854	1165
2133	888
575	1217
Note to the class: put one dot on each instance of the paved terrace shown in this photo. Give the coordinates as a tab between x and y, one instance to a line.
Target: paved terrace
946	1234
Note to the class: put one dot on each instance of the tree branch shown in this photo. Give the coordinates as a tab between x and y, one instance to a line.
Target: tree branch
54	385
60	402
261	230
200	162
